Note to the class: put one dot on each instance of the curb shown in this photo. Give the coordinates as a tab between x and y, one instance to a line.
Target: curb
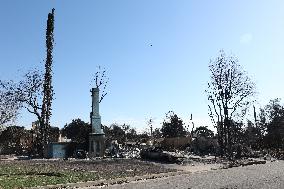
103	182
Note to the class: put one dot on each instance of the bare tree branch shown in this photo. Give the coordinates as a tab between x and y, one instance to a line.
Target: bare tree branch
9	103
231	90
101	81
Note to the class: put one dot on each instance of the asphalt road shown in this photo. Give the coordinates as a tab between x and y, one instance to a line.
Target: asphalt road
269	175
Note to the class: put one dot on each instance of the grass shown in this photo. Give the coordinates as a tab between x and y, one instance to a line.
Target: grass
12	176
19	174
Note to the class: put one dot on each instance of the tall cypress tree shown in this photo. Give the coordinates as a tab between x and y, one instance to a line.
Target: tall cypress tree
47	85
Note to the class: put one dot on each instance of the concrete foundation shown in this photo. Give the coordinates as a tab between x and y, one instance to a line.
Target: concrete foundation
96	145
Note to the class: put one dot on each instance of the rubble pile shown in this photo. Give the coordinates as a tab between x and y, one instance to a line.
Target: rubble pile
128	151
185	157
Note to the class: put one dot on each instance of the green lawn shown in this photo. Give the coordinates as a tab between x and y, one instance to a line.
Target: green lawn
12	176
17	174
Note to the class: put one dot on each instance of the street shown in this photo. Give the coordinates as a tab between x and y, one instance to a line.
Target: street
269	175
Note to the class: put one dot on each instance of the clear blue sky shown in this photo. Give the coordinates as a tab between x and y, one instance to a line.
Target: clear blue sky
145	81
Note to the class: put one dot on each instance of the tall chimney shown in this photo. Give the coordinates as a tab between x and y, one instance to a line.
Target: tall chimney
95	114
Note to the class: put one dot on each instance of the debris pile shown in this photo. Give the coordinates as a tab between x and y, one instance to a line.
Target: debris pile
128	150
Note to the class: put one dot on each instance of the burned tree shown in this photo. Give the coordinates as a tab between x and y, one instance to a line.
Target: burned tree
31	90
101	81
37	87
230	93
47	84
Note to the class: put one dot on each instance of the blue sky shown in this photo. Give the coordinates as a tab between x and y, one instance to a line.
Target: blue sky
156	53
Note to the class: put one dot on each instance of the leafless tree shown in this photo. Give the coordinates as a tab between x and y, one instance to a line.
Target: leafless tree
9	103
31	90
230	93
